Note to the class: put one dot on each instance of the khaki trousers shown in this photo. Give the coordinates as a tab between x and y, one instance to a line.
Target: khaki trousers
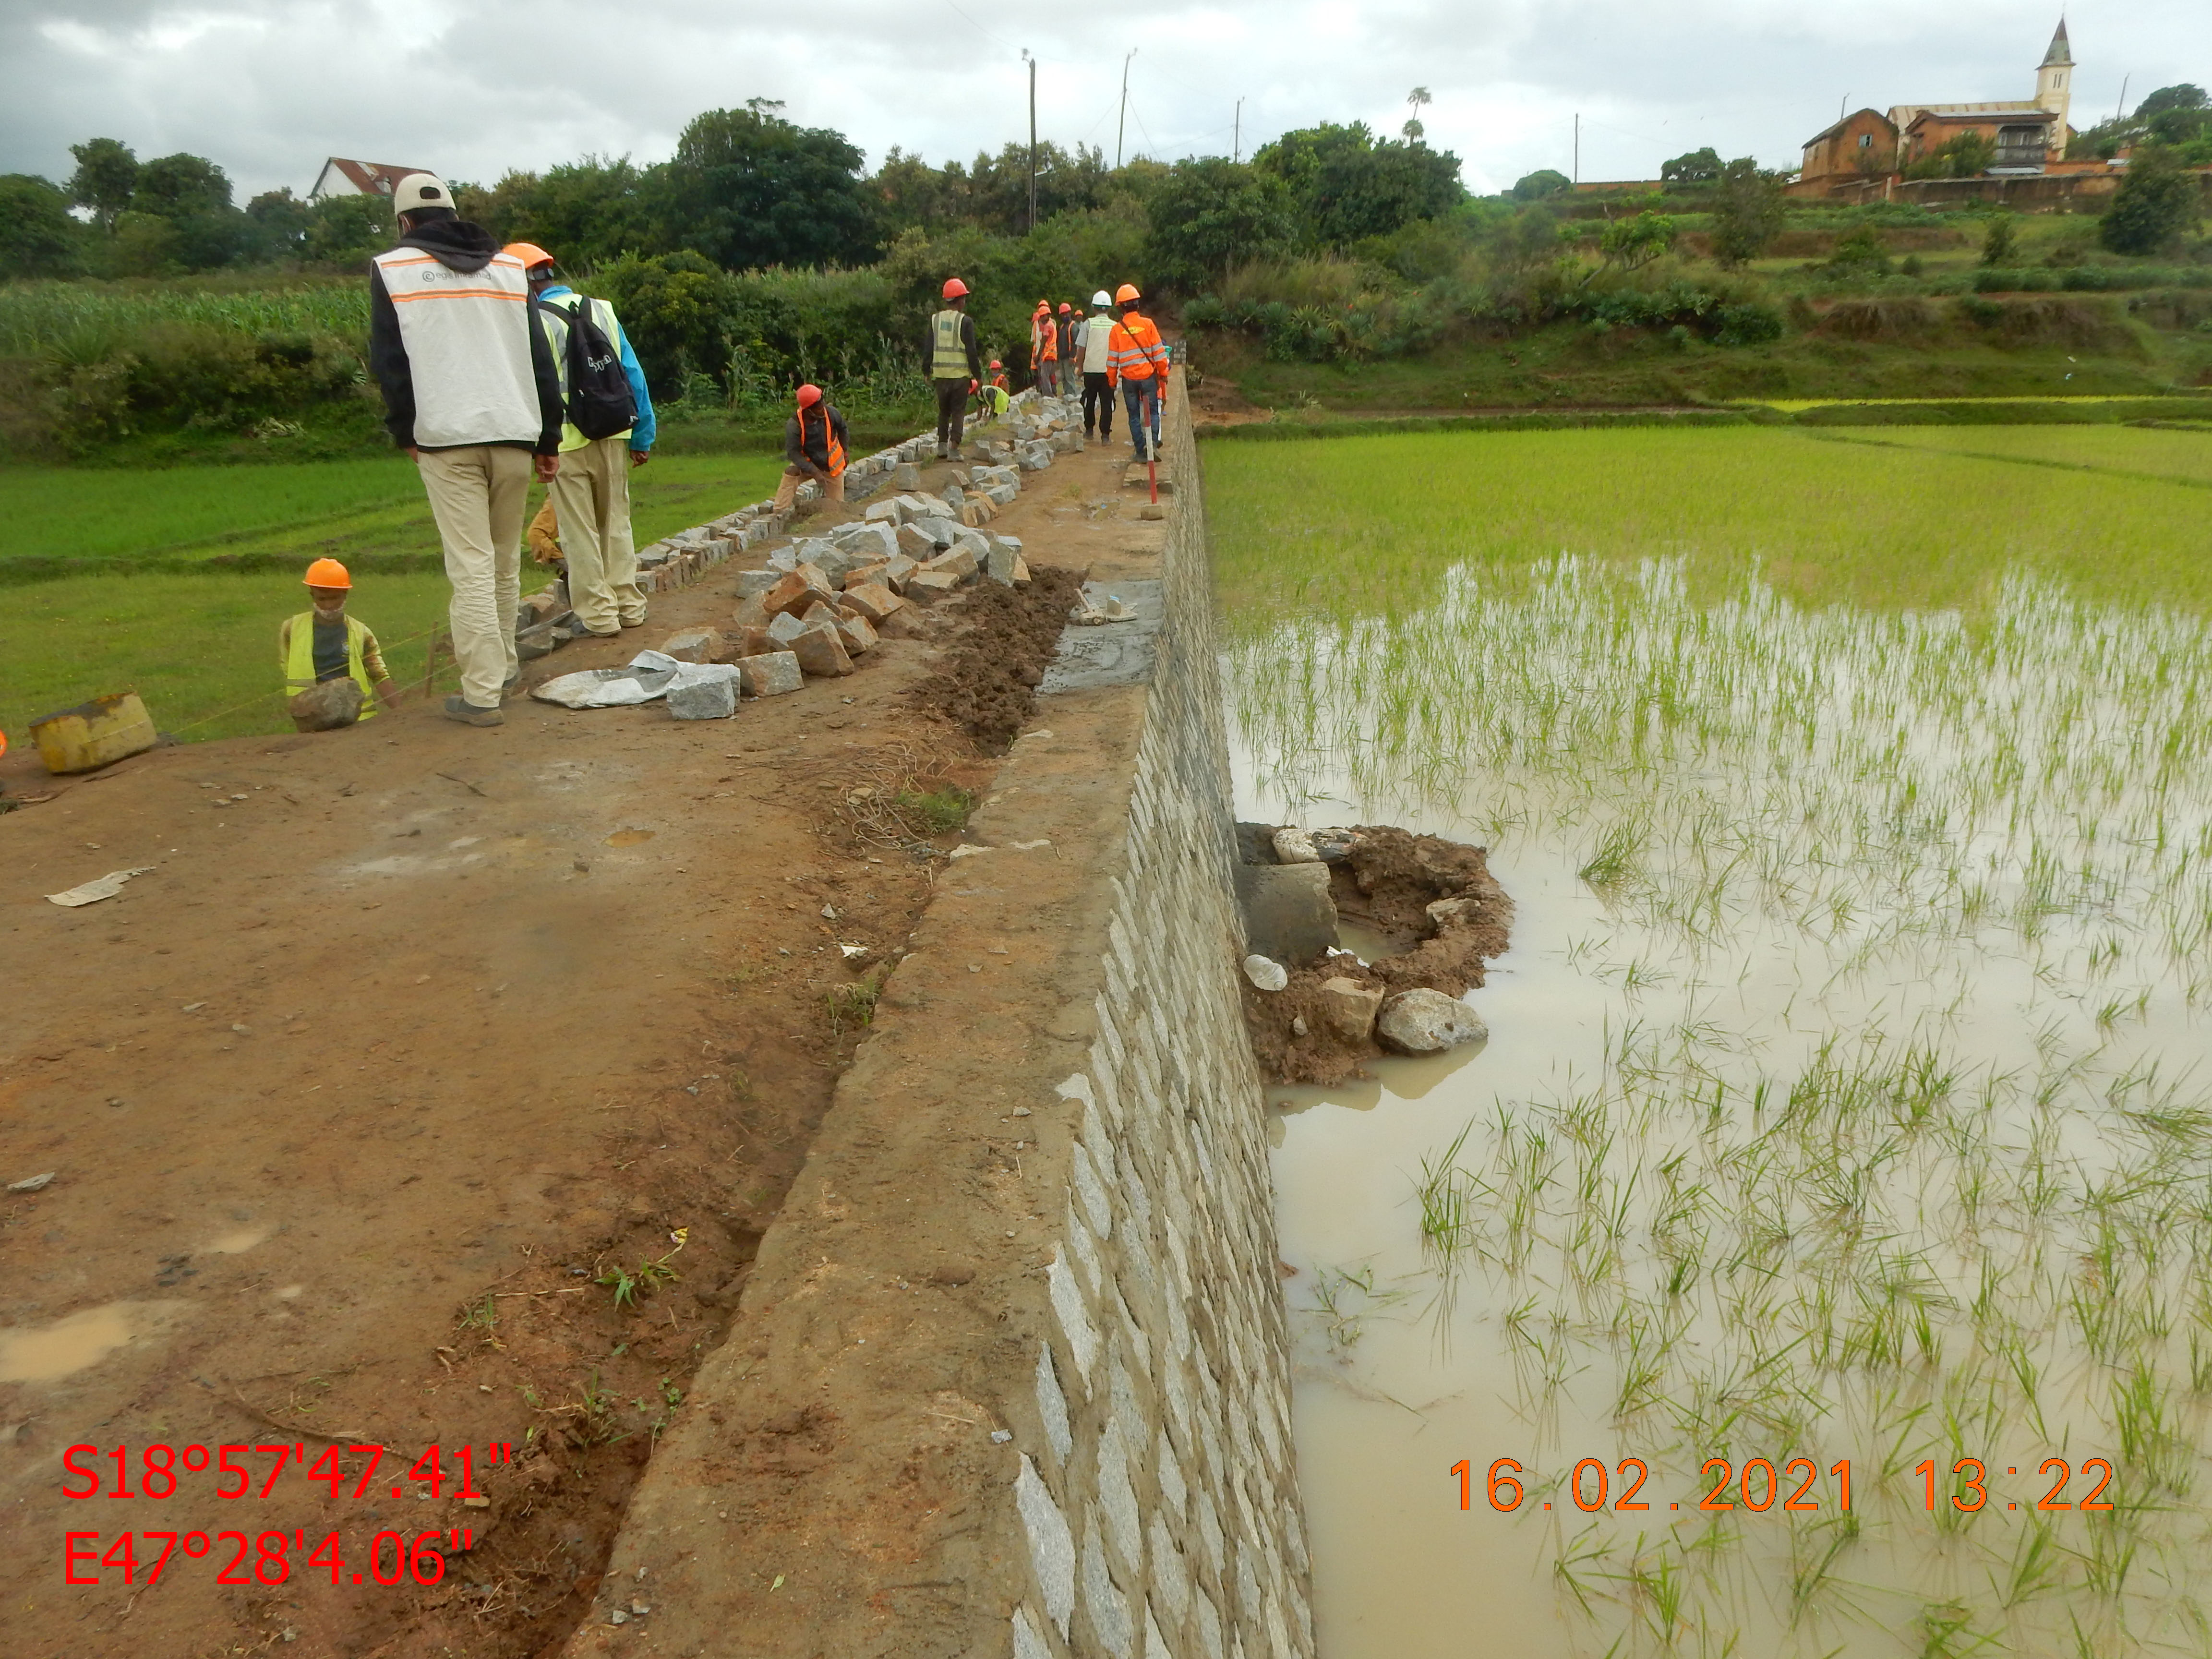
787	487
477	496
591	498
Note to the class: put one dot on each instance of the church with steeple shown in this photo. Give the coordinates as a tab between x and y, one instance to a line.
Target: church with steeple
2024	137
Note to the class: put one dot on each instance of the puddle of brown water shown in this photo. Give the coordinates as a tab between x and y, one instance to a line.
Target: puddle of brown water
629	837
74	1342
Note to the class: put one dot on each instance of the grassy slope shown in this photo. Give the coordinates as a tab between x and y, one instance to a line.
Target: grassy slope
1377	520
195	645
336	508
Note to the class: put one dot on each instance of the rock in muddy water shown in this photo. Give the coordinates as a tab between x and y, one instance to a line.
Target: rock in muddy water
1425	1022
1266	973
1349	1007
1333	846
1295	845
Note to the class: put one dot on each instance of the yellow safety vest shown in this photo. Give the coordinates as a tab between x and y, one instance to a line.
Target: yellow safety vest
949	358
300	670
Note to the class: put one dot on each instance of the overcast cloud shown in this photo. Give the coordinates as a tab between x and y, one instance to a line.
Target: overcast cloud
476	87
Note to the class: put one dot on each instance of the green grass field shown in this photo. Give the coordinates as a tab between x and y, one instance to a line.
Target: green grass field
201	648
1371	524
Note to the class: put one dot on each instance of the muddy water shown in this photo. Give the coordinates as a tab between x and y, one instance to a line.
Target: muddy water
1845	1101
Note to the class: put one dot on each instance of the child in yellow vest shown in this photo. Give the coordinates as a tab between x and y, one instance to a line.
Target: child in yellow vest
324	643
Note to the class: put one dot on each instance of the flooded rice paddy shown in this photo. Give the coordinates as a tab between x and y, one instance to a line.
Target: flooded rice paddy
1845	1121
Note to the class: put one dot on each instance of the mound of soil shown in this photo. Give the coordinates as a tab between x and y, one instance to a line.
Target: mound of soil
986	681
1444	916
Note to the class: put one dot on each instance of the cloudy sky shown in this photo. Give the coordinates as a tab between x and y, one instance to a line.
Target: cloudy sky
476	87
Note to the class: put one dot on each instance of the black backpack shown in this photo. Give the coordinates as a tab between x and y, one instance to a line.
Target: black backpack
599	401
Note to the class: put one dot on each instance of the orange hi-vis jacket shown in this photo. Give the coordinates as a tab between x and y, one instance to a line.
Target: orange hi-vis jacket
1135	351
1044	337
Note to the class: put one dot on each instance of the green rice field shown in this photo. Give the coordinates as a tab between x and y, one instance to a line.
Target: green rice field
1814	1261
201	647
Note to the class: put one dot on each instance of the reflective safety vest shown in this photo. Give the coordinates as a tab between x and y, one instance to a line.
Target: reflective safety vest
1097	342
1045	339
299	666
948	357
834	450
467	338
1136	353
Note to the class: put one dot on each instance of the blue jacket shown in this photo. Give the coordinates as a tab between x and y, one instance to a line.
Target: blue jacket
643	434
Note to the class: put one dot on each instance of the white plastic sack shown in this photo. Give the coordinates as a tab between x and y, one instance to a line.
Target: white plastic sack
648	675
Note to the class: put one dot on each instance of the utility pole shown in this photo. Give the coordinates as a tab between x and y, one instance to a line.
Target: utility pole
1237	144
1578	147
1122	125
2123	109
1031	62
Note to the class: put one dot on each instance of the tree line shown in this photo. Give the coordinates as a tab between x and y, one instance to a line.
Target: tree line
746	189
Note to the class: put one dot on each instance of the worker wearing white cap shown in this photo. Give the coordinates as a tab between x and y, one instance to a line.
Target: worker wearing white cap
472	394
1094	350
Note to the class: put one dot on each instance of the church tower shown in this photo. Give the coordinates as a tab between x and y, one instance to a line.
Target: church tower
2054	87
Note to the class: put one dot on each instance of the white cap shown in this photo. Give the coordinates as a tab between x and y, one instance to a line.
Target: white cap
1101	297
418	191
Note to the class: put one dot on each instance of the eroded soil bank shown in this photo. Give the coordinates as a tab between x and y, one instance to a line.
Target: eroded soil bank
1440	917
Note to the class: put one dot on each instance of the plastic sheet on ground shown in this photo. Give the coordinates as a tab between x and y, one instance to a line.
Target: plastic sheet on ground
648	675
92	892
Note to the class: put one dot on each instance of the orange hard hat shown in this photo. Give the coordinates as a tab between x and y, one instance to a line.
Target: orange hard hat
809	395
530	254
995	363
328	573
1065	308
955	289
1125	293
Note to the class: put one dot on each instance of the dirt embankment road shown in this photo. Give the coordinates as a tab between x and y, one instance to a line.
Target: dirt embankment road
384	1106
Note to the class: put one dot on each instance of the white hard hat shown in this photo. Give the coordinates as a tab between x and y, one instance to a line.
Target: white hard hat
1101	297
418	191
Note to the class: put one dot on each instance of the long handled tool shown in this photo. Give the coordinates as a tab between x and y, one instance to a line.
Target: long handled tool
1152	457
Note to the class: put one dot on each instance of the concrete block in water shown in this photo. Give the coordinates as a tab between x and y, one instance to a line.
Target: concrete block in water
1288	913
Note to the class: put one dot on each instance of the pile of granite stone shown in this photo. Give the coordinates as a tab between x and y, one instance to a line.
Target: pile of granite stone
811	606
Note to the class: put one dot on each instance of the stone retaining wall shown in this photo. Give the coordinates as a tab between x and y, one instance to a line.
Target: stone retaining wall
1011	1375
1157	1491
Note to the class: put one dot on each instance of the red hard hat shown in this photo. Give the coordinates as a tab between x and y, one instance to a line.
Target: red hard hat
955	289
1065	308
995	363
809	395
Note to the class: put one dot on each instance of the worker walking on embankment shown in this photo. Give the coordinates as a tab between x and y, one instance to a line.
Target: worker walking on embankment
1064	380
956	366
814	441
608	429
1044	349
323	643
1094	343
1139	361
471	393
